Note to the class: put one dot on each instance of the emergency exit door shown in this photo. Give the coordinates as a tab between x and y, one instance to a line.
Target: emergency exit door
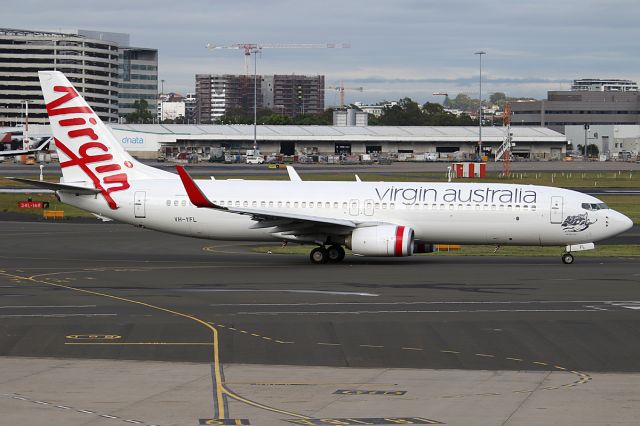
556	209
139	204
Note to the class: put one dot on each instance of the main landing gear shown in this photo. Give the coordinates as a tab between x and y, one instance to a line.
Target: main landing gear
332	254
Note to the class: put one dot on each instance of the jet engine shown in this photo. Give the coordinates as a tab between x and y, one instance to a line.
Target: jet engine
381	240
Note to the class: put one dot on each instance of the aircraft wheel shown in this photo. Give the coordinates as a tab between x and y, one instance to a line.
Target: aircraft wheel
336	253
567	258
319	255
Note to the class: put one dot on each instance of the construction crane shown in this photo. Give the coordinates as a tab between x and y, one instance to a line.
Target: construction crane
250	48
445	94
341	89
254	48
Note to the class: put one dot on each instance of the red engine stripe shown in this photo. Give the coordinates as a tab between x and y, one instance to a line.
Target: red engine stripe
399	238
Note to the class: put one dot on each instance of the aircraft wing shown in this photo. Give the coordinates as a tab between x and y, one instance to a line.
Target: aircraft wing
284	222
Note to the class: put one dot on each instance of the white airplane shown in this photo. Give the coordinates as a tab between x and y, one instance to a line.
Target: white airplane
372	219
25	150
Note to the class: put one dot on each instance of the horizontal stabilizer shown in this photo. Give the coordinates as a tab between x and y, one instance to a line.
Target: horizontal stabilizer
83	190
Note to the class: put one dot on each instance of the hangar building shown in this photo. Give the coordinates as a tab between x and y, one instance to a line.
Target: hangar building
151	140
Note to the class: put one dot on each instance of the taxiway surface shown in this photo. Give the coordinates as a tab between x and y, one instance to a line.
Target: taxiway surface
114	292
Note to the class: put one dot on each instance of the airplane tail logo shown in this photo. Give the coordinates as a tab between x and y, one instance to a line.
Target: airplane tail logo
88	150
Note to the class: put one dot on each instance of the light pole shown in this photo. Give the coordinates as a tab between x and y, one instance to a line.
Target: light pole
161	100
586	133
480	53
255	98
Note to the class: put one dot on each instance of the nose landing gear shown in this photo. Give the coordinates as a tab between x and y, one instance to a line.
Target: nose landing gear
567	258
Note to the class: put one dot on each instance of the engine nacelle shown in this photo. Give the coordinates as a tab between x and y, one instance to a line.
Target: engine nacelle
381	240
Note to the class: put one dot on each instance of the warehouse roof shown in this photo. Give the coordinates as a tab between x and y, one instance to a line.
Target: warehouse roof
335	133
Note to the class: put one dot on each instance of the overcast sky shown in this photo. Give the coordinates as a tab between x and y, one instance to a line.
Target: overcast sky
398	47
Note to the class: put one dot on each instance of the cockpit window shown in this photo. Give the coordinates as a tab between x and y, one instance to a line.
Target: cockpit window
594	206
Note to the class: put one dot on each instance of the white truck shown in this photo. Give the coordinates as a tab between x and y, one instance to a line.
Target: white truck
254	157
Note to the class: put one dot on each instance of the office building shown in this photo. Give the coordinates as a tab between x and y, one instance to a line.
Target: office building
90	64
592	102
137	72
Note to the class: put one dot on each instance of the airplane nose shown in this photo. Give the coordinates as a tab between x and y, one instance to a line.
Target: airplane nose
622	223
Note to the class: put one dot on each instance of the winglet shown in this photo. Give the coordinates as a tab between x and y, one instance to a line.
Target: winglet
358	178
196	196
293	175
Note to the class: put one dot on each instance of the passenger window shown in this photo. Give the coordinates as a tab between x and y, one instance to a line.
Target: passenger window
169	203
237	203
327	205
533	208
184	203
245	204
279	203
377	205
525	207
254	204
288	204
270	203
384	206
335	205
392	205
263	204
493	206
344	206
304	204
295	204
310	204
175	203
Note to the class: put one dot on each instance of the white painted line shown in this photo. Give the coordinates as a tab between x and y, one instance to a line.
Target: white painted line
56	315
239	290
411	312
510	302
86	411
108	416
46	306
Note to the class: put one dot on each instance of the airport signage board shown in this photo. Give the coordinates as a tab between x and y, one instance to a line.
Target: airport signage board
33	204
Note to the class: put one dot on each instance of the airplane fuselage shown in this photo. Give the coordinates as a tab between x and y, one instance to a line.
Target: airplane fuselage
464	213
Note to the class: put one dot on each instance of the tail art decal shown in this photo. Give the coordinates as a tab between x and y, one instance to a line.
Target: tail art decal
88	151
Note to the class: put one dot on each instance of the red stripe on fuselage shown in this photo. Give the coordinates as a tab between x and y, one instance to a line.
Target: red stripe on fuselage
399	240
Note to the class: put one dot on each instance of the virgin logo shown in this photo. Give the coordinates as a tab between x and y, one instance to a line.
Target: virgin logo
89	150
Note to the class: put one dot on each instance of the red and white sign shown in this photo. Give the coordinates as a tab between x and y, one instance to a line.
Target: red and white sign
470	170
30	204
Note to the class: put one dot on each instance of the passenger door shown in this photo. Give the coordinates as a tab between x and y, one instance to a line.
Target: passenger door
139	202
556	209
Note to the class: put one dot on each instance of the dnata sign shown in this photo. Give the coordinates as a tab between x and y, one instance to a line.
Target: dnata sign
132	141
